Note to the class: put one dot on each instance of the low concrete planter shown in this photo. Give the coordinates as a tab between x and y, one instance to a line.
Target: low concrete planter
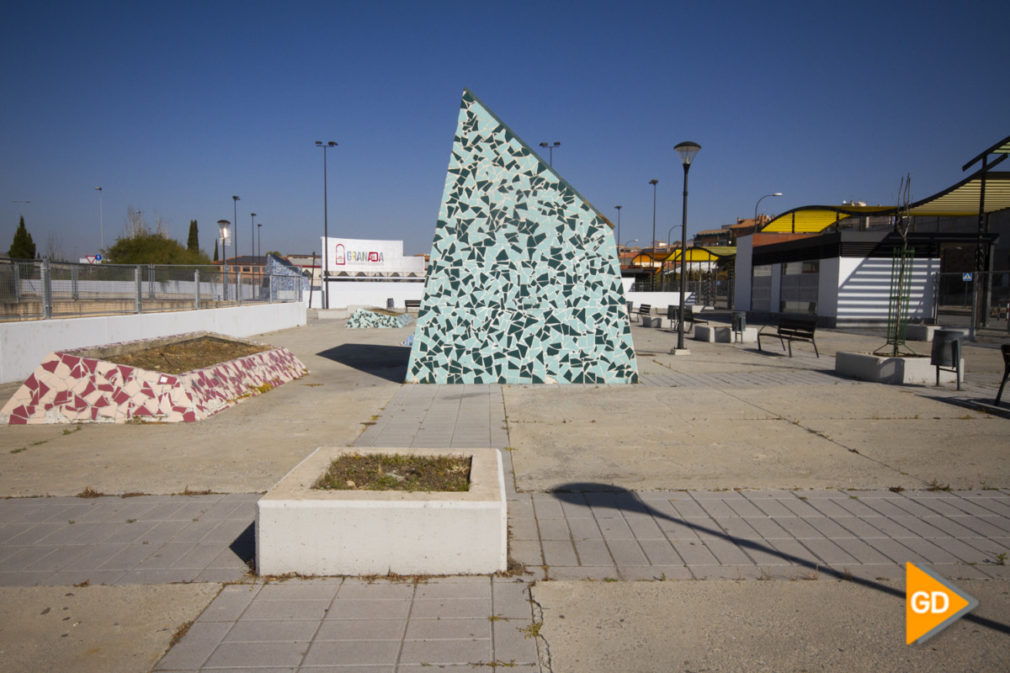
899	371
712	334
322	532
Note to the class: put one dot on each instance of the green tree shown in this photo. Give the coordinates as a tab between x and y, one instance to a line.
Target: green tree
193	242
215	250
152	248
23	247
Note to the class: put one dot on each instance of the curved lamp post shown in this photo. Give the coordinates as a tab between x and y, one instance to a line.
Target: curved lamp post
252	233
101	222
326	223
759	203
686	150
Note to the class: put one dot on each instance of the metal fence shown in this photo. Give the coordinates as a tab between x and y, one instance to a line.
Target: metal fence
710	288
953	299
40	289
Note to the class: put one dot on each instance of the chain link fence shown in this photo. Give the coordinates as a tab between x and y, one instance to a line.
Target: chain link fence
40	289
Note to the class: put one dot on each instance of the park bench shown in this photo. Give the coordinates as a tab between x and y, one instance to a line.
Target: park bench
412	304
793	328
1006	370
673	315
644	312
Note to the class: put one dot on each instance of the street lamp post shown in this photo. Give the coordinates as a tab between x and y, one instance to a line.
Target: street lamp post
326	224
653	182
252	233
101	224
259	242
234	203
759	203
223	227
618	227
686	150
550	151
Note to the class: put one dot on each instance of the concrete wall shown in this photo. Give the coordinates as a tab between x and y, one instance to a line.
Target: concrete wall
864	287
23	345
344	294
658	300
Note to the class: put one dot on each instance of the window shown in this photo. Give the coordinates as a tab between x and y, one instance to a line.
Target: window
799	287
761	289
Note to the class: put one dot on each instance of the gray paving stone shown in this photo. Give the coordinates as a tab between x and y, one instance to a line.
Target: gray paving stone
287	630
442	652
570	573
554	529
510	599
361	629
451	608
526	552
593	552
273	610
256	655
559	552
195	647
513	643
654	573
435	629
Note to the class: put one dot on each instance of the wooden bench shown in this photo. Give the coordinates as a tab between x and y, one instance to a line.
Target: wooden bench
412	304
794	328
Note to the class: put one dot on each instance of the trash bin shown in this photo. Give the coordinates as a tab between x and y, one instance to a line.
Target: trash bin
946	353
390	303
739	321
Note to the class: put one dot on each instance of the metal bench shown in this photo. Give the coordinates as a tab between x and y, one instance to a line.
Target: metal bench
1006	370
673	315
793	328
412	304
644	311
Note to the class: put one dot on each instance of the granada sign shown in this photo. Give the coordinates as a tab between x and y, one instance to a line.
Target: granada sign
351	255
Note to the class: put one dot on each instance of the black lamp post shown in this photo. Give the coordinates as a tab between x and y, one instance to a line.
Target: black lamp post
686	150
234	203
652	251
326	223
252	233
550	148
223	226
618	228
259	242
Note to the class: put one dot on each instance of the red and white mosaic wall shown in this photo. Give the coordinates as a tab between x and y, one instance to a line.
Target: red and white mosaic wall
68	387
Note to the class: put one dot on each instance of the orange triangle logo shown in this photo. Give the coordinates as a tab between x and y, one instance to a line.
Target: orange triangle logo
931	604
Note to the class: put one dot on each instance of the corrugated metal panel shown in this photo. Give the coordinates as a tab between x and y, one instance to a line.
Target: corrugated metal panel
866	293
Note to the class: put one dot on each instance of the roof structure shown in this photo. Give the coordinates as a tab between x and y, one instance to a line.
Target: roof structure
961	199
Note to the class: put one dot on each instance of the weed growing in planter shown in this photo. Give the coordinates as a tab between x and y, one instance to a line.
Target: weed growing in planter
396	472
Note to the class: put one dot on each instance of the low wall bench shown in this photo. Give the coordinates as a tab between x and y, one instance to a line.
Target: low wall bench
793	328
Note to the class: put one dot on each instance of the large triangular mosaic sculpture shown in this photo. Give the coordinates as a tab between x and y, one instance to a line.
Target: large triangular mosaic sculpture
524	284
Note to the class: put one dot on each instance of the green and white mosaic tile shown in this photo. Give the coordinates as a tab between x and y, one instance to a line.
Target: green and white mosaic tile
524	284
363	318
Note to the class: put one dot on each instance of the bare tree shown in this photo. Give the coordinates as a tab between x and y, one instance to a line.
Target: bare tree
135	223
53	250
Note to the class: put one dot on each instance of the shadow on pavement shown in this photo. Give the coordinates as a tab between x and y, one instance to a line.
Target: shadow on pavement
387	362
615	497
244	546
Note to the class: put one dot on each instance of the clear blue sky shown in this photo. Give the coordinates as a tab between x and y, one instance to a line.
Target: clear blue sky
173	107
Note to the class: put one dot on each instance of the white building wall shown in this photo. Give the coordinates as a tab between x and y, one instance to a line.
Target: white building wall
864	287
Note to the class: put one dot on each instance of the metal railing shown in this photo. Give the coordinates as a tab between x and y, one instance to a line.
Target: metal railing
953	298
41	289
709	288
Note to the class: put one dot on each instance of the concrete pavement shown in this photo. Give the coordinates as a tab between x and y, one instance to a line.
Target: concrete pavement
615	484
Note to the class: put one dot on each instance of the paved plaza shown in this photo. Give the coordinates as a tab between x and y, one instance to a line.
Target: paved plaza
736	510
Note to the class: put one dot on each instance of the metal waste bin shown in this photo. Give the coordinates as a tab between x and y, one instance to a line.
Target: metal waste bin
946	353
739	321
390	303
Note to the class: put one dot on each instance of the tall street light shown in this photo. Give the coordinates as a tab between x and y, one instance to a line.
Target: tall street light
759	203
653	182
101	225
223	227
618	227
252	233
550	149
234	201
686	150
326	224
259	242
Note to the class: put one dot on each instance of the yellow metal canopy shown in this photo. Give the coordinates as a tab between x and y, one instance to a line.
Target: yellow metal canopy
703	253
813	219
